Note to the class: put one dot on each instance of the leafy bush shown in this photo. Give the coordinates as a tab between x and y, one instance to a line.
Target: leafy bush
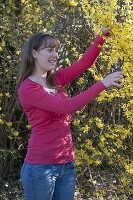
102	130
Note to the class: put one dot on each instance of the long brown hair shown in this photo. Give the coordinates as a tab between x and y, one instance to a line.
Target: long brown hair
27	66
37	41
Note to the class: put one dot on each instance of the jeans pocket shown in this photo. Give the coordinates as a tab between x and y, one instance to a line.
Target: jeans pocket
72	166
70	169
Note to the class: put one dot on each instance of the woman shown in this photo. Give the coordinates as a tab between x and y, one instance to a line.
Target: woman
48	171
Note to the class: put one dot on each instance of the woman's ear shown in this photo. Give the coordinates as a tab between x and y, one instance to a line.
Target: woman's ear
34	53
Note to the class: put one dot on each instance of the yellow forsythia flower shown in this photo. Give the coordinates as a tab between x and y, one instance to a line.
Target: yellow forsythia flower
98	162
80	81
7	94
1	121
76	122
15	133
10	137
28	126
129	168
9	124
73	3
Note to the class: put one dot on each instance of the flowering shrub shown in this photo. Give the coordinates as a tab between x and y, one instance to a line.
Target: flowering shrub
102	130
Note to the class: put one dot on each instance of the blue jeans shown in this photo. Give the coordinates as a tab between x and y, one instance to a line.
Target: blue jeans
48	181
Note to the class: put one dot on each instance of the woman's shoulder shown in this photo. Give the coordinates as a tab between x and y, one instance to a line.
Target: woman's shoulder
31	85
27	84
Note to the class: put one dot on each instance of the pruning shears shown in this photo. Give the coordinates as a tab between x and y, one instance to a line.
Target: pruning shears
118	65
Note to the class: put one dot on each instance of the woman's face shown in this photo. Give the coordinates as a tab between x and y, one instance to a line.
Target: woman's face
46	58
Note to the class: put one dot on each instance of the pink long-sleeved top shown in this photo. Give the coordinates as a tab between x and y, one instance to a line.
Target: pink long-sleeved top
49	114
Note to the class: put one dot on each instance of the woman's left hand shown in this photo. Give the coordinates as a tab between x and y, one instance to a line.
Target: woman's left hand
106	30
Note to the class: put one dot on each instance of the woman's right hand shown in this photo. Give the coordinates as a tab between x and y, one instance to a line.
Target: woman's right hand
113	79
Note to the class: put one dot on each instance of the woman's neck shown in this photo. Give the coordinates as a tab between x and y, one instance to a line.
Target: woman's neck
39	79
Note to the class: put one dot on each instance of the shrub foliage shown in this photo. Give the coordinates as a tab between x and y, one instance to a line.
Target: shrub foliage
102	130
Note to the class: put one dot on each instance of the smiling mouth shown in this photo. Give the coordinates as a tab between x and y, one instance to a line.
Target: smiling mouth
52	62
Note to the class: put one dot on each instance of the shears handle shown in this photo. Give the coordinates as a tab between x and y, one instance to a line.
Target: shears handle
118	65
